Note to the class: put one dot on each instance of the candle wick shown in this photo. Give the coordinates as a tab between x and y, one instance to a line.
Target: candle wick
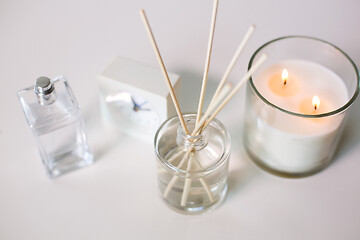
284	82
315	106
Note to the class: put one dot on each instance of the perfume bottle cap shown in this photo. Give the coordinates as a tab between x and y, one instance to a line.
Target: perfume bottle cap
43	86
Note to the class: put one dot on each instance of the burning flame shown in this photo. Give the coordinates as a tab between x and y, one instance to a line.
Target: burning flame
284	76
316	102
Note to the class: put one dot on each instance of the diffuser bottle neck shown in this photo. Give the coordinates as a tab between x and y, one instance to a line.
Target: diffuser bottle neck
196	142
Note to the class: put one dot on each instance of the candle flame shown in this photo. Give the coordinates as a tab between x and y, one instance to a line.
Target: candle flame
284	76
316	102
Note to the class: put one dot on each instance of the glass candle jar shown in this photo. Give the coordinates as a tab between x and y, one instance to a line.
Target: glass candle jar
192	170
297	103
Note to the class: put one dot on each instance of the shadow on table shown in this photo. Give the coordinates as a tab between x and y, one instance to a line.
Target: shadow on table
241	174
101	138
351	135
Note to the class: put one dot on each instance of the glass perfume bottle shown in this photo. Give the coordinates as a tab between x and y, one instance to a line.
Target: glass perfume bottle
192	170
54	117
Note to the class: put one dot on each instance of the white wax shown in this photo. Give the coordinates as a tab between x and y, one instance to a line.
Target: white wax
311	79
286	142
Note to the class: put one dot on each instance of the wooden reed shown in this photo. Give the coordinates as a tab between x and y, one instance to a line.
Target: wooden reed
207	62
233	92
233	61
163	69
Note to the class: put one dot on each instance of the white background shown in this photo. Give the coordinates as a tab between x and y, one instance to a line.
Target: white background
117	197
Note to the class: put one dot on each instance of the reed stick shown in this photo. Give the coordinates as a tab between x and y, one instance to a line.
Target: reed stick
232	93
203	181
163	69
201	100
233	61
212	106
175	156
207	62
187	183
175	178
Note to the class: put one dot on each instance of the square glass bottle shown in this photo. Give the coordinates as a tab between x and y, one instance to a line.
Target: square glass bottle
55	119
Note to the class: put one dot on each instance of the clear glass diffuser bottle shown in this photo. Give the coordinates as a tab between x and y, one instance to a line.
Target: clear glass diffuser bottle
54	117
192	170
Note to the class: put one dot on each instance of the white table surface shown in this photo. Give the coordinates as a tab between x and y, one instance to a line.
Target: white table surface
117	197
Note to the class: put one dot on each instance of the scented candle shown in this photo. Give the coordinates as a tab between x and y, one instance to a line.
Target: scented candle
297	105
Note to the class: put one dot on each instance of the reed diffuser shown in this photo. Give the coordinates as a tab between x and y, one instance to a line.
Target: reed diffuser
194	149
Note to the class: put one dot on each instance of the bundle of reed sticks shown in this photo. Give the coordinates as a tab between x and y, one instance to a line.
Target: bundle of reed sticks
223	94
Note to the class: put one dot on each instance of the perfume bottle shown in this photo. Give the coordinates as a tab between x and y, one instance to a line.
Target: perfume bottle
54	117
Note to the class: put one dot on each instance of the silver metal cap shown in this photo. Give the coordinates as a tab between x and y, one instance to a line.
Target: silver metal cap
43	86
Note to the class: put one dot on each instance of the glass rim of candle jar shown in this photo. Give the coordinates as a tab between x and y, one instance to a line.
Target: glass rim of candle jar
327	114
195	173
